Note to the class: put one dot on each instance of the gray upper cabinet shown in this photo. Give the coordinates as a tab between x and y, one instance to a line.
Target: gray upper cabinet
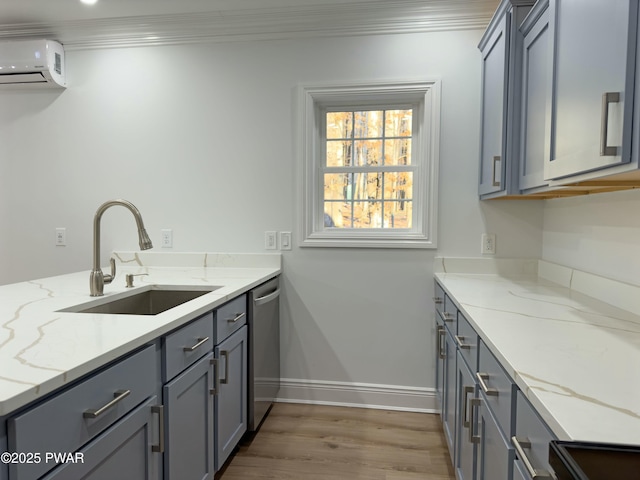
494	50
593	85
535	110
500	88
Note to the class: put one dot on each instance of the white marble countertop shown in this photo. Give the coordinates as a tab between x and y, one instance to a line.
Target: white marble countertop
576	358
42	349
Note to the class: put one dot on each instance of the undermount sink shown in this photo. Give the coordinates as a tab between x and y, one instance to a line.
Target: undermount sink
148	302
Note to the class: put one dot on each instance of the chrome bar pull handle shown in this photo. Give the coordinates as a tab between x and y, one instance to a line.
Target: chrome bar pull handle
448	317
201	341
472	420
216	385
437	300
607	98
461	344
225	354
465	411
159	409
482	380
118	395
441	334
236	318
496	180
520	444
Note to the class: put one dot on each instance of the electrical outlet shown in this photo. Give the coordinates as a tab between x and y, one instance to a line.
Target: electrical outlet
488	246
167	238
270	241
61	236
285	240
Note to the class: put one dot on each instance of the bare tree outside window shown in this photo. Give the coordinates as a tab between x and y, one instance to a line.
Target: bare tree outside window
364	195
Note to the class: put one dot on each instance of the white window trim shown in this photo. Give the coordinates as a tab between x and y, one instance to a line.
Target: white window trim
310	215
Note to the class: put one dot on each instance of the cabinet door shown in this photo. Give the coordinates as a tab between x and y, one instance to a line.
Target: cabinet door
440	356
124	451
595	48
449	397
495	454
189	423
535	136
494	103
532	436
465	463
519	472
231	399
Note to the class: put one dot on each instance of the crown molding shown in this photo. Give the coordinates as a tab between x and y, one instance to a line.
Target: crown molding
363	18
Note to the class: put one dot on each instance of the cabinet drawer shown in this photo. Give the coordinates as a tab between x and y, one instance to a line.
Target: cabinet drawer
185	346
498	388
533	435
62	424
450	315
467	340
230	317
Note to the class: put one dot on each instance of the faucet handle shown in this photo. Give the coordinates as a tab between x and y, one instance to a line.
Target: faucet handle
109	278
129	278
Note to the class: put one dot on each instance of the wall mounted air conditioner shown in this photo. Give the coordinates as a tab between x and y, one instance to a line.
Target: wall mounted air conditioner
32	63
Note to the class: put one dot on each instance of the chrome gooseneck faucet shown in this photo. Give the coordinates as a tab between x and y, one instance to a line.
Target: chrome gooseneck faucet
97	278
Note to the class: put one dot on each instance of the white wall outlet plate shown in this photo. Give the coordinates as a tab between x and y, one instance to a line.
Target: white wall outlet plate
488	246
167	238
61	236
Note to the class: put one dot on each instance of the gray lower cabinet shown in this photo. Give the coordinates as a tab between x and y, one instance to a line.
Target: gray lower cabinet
531	440
189	443
231	398
449	397
495	455
113	424
92	415
465	456
483	412
126	451
440	356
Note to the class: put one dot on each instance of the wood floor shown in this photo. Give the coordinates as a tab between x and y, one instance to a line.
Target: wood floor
312	442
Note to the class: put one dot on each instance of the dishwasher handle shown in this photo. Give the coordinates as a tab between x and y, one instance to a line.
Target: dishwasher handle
267	298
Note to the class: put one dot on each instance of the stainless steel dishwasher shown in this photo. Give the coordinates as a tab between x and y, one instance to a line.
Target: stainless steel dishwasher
264	350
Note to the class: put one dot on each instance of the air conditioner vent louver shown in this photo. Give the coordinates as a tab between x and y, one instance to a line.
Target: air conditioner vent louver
32	63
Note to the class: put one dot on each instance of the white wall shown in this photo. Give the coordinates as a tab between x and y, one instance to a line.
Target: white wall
598	234
201	139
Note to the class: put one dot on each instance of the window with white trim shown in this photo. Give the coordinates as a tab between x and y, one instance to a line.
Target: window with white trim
370	165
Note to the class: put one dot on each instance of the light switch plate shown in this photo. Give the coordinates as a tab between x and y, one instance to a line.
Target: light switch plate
285	240
270	240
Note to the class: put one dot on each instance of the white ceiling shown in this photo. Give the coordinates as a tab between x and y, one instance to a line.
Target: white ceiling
135	22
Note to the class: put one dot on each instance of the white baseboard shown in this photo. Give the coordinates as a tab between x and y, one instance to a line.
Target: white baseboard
363	395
